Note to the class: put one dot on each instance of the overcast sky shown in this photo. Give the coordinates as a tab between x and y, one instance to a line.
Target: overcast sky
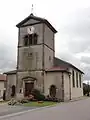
71	18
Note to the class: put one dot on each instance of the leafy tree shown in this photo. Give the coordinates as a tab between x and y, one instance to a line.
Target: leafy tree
86	89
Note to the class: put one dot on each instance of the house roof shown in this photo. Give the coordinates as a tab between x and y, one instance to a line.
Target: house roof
62	63
2	77
31	16
11	72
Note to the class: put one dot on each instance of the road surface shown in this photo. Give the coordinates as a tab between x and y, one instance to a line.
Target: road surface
5	109
78	110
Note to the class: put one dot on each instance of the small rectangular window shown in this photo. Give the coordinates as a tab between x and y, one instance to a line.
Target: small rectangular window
77	79
30	55
80	80
49	58
73	79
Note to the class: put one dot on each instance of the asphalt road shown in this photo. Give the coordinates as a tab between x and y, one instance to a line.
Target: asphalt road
6	110
79	110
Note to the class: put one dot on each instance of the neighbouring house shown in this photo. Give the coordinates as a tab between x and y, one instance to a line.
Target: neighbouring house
37	66
3	83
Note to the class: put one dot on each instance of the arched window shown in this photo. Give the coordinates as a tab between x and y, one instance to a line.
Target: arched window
26	40
35	39
13	91
52	90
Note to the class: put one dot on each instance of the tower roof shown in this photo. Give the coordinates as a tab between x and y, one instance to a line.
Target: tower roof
42	20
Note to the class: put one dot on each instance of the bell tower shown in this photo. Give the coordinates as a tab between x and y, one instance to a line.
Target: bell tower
35	50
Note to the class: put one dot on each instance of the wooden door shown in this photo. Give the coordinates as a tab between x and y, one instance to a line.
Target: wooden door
28	88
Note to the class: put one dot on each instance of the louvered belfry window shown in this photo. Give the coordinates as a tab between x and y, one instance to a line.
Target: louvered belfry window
30	39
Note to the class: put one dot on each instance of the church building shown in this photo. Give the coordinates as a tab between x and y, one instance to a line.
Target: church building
37	66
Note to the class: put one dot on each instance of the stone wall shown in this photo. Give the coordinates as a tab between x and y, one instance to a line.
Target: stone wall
11	80
2	88
76	91
53	78
66	87
48	58
49	37
38	83
30	58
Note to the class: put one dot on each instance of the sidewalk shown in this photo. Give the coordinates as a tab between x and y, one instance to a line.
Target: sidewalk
80	98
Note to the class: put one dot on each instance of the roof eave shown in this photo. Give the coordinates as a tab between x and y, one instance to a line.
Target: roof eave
39	19
10	72
77	69
70	65
23	21
57	71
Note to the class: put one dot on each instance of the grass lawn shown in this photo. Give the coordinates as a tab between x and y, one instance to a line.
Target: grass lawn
36	104
1	102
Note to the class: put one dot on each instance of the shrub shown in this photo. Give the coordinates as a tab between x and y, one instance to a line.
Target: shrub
37	95
40	97
53	99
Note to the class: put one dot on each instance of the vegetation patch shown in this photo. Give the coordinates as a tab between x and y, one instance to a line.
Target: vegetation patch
39	104
36	98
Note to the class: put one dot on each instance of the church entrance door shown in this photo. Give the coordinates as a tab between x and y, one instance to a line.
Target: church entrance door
28	88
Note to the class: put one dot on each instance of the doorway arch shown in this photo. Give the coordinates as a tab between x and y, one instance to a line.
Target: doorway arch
52	91
28	84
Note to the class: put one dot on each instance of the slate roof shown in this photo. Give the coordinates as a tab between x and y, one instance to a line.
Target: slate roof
11	72
62	63
31	16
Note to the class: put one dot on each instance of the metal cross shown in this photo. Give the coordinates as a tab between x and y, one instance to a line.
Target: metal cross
32	9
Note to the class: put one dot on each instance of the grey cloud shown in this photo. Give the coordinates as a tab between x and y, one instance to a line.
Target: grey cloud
78	30
7	58
76	34
85	59
69	57
86	70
